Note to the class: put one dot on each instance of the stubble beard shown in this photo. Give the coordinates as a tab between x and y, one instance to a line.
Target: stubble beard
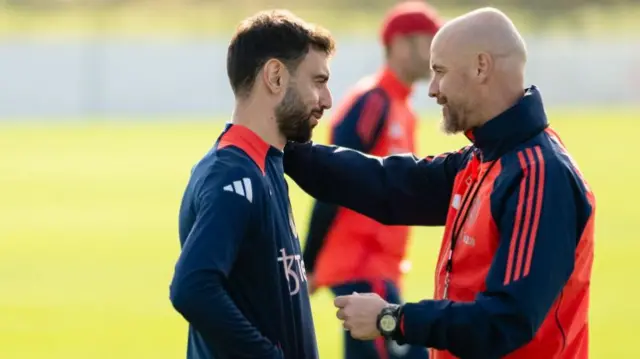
293	118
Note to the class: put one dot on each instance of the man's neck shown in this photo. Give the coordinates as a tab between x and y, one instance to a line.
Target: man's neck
499	104
401	75
262	122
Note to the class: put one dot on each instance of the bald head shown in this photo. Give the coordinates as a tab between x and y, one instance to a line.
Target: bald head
485	30
478	60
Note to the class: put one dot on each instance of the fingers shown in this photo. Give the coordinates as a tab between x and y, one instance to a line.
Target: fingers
345	308
341	301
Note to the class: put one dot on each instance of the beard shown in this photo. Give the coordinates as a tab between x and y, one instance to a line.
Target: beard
454	118
294	118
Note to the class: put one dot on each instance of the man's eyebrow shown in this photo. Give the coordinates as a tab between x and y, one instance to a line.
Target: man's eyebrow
437	67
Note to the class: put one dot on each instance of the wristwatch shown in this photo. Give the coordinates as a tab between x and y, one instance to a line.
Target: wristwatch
389	320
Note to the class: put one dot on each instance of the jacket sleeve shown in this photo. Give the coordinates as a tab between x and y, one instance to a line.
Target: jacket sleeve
359	130
393	190
539	231
198	288
362	125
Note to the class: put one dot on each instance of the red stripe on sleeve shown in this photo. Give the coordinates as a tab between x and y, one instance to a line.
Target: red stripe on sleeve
516	225
528	205
536	217
370	116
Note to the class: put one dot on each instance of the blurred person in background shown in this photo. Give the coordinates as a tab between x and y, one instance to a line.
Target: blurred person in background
376	118
239	280
513	276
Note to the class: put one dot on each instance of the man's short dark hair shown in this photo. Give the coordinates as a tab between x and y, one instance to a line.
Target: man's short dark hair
274	34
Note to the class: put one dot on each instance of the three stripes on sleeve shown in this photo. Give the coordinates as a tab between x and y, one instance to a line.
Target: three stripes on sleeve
241	187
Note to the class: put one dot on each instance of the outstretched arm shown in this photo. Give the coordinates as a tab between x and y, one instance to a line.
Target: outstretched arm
394	190
359	129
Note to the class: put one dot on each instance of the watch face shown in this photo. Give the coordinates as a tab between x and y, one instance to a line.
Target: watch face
387	323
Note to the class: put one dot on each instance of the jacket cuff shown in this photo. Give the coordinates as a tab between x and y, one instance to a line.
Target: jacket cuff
415	323
398	335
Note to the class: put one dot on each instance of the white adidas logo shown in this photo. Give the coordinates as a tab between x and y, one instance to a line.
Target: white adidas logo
242	188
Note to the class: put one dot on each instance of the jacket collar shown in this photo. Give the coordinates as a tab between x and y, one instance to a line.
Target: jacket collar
522	121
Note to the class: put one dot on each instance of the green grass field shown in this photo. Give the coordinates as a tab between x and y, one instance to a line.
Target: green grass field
191	18
88	228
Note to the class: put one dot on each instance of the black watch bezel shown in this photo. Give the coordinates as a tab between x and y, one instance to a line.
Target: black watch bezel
395	311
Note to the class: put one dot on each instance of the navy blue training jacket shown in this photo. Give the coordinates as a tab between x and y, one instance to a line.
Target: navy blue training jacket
240	278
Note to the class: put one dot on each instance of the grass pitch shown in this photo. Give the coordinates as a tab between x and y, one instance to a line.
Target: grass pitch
88	235
184	18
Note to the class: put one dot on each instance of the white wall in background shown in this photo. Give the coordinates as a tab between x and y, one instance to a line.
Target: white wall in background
146	77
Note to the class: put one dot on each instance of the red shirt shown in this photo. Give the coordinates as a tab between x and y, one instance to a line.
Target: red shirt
375	118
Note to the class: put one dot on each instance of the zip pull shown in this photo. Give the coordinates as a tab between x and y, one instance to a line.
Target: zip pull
445	290
449	265
474	167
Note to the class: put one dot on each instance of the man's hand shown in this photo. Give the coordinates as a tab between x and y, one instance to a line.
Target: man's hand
359	313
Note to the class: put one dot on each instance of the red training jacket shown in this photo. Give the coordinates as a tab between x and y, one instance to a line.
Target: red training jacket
374	118
514	272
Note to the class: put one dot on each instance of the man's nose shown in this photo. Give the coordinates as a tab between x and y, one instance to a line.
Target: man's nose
326	101
433	89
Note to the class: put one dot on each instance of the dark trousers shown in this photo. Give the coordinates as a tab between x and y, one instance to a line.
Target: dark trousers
379	348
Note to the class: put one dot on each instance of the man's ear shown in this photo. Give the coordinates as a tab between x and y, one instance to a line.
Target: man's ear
484	66
276	76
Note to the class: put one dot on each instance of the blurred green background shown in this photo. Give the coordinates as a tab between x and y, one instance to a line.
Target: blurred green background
78	17
89	199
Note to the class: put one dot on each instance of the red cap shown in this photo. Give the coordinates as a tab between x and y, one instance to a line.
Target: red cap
410	17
